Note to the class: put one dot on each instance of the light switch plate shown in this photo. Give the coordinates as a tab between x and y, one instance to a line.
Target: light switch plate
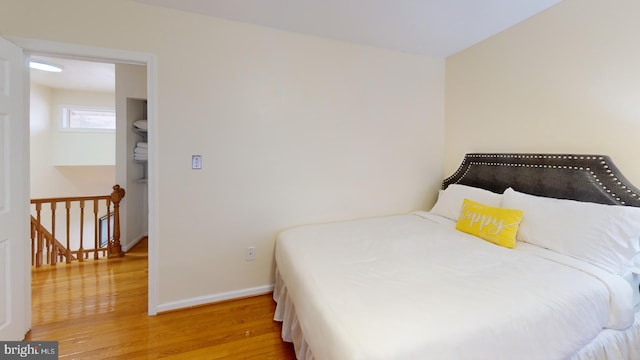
196	161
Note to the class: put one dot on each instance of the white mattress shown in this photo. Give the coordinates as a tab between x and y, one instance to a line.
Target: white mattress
406	287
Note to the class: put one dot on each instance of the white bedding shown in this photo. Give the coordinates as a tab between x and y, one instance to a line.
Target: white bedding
407	287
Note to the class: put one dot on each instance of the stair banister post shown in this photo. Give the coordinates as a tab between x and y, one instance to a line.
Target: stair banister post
115	250
40	236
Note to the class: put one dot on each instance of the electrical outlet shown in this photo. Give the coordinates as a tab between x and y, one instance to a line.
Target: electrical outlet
250	253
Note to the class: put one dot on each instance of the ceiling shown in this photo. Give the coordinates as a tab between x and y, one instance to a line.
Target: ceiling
76	75
428	27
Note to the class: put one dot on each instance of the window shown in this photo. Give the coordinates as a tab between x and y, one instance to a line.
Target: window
83	118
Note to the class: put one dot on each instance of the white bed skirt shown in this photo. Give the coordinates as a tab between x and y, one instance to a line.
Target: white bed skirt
613	344
286	313
608	345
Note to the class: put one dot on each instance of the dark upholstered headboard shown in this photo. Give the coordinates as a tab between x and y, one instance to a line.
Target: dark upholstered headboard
591	178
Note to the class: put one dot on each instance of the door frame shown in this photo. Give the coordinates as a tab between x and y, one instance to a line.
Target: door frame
81	52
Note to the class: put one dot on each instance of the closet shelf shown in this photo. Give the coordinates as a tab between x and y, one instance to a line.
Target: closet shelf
142	133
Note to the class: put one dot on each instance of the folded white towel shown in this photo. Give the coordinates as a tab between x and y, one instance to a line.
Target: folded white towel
142	151
140	157
142	145
140	124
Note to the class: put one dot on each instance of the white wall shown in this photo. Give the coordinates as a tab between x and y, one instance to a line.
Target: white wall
566	80
293	129
81	148
41	140
131	88
48	179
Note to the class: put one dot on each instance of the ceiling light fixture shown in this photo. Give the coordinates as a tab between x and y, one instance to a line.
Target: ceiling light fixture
44	66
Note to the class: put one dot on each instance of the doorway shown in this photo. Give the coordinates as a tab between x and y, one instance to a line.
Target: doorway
81	117
119	57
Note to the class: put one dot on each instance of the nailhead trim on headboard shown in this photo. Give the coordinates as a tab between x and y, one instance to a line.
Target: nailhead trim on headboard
596	178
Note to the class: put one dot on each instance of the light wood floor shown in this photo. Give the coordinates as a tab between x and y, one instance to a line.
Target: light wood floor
98	310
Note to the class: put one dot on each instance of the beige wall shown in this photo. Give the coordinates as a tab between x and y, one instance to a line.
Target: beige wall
292	129
566	80
82	148
50	180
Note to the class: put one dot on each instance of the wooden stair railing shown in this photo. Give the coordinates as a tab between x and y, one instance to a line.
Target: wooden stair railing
47	249
56	249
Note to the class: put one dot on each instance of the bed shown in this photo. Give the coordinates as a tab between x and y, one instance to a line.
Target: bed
527	256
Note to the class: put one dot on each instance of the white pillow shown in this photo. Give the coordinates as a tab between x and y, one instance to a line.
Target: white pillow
450	200
603	235
140	124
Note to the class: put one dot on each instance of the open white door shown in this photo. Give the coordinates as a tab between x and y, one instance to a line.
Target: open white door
15	292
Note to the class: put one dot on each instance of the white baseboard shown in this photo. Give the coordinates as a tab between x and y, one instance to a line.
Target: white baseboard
208	299
126	247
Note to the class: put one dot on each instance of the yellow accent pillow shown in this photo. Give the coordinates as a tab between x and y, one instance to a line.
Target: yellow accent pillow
496	225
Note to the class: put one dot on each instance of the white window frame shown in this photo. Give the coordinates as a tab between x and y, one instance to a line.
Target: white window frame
64	122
